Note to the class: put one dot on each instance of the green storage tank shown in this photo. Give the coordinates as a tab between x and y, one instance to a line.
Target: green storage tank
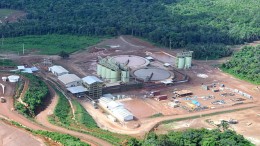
181	63
188	62
125	76
99	69
113	76
108	73
103	74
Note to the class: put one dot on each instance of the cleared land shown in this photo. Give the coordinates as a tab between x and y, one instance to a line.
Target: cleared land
8	15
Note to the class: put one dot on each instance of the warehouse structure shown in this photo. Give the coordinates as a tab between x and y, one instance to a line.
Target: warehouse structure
115	108
70	80
94	86
109	69
58	70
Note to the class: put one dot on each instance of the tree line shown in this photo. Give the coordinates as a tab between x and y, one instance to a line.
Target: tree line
193	137
245	64
175	23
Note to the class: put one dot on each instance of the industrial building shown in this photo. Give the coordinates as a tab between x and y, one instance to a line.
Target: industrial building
109	69
94	86
181	60
115	108
70	80
58	70
184	60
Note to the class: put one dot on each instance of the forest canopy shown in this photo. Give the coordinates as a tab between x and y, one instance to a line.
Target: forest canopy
193	137
181	22
245	64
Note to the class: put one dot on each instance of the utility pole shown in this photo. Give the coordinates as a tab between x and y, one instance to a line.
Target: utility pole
23	49
2	40
170	43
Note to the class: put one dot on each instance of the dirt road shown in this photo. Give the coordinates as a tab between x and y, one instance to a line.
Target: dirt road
10	136
42	118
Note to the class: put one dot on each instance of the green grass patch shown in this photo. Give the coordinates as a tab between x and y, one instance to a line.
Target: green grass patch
156	115
48	44
206	115
7	62
62	111
64	139
83	117
6	12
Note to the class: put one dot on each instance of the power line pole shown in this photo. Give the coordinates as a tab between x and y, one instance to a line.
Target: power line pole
2	39
23	49
170	43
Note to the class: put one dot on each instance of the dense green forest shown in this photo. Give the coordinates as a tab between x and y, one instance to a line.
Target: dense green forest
181	22
245	64
34	96
193	137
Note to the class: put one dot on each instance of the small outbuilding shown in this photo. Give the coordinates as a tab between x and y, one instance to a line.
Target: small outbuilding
58	70
70	80
77	89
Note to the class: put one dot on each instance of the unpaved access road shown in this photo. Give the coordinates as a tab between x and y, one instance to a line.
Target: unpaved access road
10	136
42	118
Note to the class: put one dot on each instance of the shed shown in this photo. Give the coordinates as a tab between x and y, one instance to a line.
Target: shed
122	114
27	70
20	67
77	89
58	70
70	80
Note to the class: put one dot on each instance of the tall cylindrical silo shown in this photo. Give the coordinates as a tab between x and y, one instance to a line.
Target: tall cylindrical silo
113	76
125	76
108	73
188	62
181	63
103	74
99	69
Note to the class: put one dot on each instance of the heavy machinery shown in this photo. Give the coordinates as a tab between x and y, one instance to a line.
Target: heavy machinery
3	100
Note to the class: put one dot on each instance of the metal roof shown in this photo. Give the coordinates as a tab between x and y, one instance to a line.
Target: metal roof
20	67
91	79
68	78
122	114
58	69
77	89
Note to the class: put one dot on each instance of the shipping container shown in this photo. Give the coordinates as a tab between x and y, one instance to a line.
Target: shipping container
161	97
156	93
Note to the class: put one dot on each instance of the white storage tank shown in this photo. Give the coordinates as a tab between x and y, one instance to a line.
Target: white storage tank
181	63
103	74
188	62
13	78
99	69
4	79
